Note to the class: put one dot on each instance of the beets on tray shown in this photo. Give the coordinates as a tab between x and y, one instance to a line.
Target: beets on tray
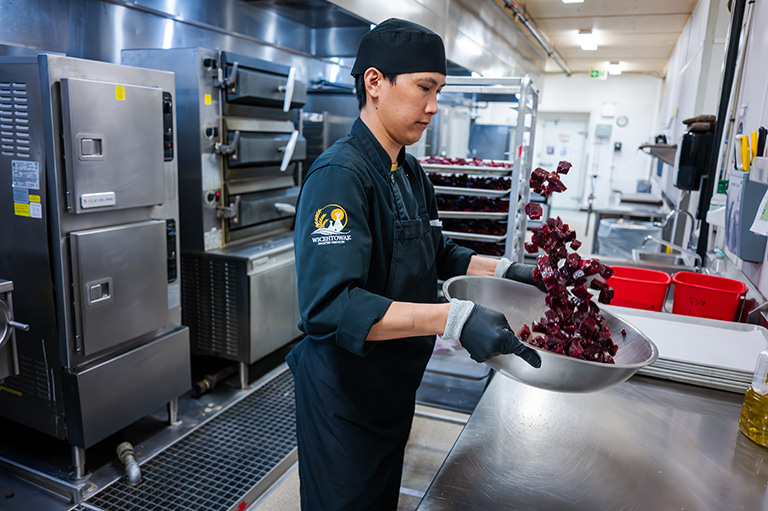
572	324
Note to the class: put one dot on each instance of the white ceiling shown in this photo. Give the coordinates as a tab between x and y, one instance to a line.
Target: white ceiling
640	34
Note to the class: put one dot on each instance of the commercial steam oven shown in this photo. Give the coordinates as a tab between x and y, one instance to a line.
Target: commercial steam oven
88	218
238	174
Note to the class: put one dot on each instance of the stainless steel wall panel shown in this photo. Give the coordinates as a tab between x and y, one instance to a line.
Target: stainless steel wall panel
110	395
337	42
113	134
120	284
271	30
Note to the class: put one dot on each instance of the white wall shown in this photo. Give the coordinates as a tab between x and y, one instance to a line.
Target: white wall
692	84
635	96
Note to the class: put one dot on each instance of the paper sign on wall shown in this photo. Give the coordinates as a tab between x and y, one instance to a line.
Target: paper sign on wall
760	225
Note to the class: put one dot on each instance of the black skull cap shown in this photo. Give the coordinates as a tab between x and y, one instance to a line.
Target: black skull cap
398	46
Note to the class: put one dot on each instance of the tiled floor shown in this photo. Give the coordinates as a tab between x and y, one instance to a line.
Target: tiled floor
430	441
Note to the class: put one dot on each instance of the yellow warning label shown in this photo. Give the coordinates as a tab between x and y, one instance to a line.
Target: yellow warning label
34	198
16	392
120	92
21	209
207	99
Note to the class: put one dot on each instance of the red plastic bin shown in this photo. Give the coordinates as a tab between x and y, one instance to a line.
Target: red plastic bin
639	288
707	296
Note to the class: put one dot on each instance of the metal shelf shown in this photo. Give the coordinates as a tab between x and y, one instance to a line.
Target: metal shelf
471	215
475	237
466	169
475	192
665	153
489	90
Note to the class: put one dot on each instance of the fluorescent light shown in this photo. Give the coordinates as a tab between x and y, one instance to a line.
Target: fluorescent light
587	40
573	1
614	68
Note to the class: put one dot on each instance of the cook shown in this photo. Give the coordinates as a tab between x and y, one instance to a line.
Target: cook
369	251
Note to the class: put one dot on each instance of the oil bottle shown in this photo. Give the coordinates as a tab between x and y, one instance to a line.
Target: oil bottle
754	413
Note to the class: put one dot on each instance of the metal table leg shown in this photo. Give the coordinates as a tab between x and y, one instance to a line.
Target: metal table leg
78	461
243	369
173	412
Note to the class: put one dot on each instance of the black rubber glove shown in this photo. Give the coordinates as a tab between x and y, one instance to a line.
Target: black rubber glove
521	272
486	334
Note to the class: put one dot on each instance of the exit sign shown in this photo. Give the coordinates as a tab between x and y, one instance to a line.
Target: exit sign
598	74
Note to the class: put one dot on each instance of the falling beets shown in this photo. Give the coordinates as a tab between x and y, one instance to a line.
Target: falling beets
572	324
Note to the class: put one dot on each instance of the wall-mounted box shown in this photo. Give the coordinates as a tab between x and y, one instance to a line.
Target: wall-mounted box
745	193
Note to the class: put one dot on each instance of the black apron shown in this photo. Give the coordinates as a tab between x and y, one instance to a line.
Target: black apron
354	413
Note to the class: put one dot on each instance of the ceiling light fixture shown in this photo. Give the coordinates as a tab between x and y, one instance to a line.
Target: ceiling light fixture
614	68
587	40
573	1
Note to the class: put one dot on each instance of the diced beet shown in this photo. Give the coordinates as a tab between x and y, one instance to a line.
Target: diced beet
563	167
533	210
531	248
597	284
606	294
606	271
556	185
575	244
581	292
525	333
575	350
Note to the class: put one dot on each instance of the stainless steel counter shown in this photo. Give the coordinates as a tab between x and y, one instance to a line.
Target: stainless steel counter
645	444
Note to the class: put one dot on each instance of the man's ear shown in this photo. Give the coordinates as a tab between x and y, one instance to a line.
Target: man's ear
372	79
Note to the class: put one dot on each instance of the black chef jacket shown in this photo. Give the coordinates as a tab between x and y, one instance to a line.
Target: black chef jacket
358	248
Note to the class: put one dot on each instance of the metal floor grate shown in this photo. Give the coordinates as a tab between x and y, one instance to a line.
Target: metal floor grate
218	464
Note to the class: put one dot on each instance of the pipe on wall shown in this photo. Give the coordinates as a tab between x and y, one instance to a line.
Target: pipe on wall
519	16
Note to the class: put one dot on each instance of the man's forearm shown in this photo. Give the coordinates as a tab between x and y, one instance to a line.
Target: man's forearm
404	319
483	266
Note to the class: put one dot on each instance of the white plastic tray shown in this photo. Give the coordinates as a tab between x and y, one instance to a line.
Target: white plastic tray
697	350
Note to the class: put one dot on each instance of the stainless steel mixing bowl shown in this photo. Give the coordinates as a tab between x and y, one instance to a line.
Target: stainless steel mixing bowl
522	304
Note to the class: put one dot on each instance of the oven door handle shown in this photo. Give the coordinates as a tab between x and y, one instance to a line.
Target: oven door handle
284	207
288	89
289	148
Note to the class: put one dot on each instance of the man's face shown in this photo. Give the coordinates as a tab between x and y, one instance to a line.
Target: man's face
407	106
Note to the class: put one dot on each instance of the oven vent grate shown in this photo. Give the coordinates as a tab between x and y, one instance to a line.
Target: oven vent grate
14	120
210	306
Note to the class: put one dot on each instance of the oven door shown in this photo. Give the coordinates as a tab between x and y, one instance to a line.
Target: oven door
262	212
113	145
256	82
262	148
120	284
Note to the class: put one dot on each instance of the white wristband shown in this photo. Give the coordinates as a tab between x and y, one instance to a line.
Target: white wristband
502	267
457	316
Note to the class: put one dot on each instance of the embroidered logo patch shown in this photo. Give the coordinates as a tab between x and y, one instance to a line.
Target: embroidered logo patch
330	223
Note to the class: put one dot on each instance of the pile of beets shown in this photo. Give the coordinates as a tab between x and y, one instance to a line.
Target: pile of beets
572	324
